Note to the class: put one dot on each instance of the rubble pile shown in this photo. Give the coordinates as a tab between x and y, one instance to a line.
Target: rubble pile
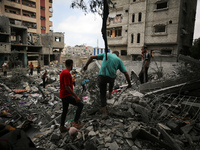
136	121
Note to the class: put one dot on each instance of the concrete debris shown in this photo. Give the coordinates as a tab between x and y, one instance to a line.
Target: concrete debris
135	121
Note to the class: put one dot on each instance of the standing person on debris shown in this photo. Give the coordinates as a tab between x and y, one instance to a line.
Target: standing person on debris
38	68
31	68
86	81
5	68
68	96
74	78
107	74
146	56
44	78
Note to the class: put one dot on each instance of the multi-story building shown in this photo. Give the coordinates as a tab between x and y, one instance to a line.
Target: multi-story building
34	14
78	50
165	26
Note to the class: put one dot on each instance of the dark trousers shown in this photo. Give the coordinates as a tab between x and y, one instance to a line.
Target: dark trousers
31	71
103	80
70	100
43	82
5	73
143	76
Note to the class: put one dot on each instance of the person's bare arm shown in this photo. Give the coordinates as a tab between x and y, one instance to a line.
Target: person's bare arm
152	55
70	91
128	79
89	61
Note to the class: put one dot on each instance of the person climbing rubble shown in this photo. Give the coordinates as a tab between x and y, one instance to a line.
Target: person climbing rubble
107	74
84	83
44	78
146	57
74	78
38	68
31	68
69	97
5	68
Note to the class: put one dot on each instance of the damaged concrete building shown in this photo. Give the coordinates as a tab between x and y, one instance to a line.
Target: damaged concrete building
165	26
26	35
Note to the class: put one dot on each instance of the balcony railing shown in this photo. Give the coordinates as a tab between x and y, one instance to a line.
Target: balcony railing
29	4
115	20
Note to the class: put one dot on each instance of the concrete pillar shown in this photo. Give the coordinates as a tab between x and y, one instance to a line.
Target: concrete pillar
17	38
25	60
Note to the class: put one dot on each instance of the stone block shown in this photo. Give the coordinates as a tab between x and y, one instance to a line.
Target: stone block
130	142
143	111
134	148
128	135
174	126
169	140
113	146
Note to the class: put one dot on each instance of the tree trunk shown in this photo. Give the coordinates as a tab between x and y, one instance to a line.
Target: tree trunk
103	29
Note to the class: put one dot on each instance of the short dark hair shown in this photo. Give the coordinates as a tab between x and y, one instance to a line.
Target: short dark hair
145	47
116	52
68	62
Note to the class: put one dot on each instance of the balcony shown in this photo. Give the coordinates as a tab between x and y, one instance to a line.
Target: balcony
32	0
50	23
28	19
113	41
13	16
32	30
116	20
29	3
28	8
50	9
50	14
12	4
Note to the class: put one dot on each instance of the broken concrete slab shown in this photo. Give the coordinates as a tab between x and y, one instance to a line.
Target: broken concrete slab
171	142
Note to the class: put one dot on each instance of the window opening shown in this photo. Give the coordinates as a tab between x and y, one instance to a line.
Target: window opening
140	17
133	17
138	38
132	38
159	28
161	5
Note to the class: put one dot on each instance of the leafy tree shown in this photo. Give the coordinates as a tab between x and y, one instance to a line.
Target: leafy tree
96	6
195	49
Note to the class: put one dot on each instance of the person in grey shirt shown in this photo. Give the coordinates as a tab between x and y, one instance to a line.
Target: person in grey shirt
143	75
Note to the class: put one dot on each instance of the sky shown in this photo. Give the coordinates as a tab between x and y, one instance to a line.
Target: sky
80	28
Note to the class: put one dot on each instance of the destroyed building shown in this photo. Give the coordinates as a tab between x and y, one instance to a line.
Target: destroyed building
165	26
137	120
20	47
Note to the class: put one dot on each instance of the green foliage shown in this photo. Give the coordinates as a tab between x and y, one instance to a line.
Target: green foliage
195	49
94	6
67	54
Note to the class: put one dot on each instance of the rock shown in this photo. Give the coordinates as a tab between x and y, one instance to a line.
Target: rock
119	141
119	134
134	148
128	135
54	137
91	133
113	146
107	139
130	142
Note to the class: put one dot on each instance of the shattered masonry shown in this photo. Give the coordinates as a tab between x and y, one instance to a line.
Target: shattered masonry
155	119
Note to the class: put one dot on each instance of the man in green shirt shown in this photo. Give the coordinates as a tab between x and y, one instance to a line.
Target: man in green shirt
107	74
